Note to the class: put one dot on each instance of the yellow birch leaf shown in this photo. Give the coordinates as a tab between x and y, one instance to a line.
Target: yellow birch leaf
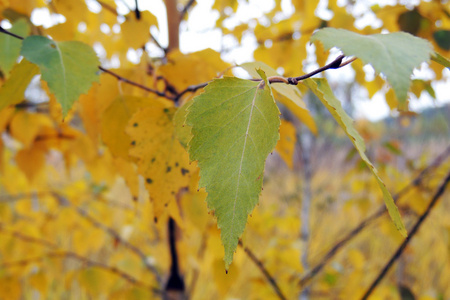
26	126
286	145
391	99
13	90
374	85
162	161
73	10
114	120
136	33
203	66
31	161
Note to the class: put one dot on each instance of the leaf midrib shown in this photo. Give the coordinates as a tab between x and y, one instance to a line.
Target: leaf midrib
253	104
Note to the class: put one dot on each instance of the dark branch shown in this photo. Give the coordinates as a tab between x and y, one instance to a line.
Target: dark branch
137	12
186	9
10	33
263	269
412	233
381	211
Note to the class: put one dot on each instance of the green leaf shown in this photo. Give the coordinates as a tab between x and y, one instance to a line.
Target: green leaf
440	59
395	54
323	91
294	101
13	90
69	68
10	46
235	126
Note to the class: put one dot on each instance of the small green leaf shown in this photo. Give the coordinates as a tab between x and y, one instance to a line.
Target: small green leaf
440	59
13	90
294	99
234	126
323	91
10	46
395	54
69	68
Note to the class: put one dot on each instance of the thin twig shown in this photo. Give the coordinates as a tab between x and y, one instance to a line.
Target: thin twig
143	87
10	33
335	64
263	269
381	211
186	8
412	233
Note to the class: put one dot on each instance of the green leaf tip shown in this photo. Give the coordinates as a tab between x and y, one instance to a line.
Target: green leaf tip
323	91
69	67
394	54
235	126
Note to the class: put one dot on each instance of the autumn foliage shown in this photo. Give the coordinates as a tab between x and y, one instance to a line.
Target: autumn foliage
154	177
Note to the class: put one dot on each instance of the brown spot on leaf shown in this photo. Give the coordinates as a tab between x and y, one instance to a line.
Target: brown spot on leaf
153	159
135	198
133	143
184	171
155	219
135	125
168	169
148	180
166	110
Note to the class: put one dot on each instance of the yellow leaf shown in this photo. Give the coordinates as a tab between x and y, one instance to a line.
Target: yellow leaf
31	161
13	90
74	10
162	161
26	126
391	99
137	32
286	145
203	66
114	120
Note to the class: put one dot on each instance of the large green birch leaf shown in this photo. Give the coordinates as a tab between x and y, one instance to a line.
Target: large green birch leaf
395	54
323	91
234	126
293	96
10	46
69	68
